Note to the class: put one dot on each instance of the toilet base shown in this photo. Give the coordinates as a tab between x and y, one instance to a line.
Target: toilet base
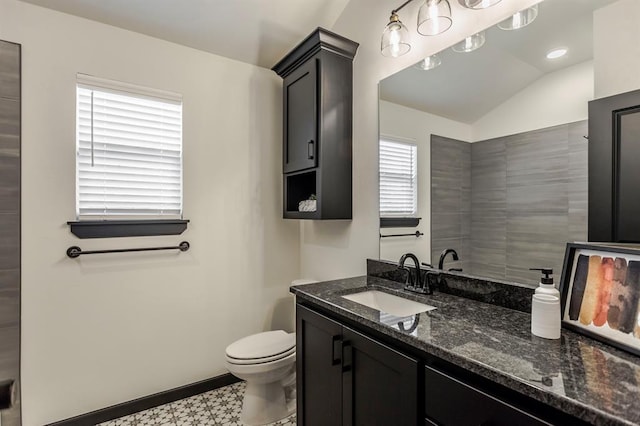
265	403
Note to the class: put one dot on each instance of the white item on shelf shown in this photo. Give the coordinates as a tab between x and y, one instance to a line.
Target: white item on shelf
307	206
545	316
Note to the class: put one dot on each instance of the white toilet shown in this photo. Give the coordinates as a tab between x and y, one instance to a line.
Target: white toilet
266	361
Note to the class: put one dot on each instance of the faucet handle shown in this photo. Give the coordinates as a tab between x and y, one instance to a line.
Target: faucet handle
431	279
409	276
428	265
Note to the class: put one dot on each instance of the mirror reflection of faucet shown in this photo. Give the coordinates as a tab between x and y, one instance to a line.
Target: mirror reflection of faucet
444	254
412	327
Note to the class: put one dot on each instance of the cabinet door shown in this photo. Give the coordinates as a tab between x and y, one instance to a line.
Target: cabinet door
380	385
449	401
300	118
614	205
319	369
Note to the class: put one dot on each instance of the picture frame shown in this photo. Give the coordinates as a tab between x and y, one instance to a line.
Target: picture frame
600	293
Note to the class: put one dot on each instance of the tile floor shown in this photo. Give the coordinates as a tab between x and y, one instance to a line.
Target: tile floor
217	407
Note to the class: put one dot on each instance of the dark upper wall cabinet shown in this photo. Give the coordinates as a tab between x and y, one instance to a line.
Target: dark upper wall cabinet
317	98
301	126
614	179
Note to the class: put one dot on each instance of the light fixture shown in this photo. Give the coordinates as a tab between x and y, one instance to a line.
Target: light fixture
434	17
429	63
478	4
557	53
395	37
520	19
471	43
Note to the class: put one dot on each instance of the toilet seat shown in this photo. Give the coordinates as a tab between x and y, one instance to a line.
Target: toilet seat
261	348
240	361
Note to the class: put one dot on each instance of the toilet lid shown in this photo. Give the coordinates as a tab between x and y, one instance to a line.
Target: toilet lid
262	345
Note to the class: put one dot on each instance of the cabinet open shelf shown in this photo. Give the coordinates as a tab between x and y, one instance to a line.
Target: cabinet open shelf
317	100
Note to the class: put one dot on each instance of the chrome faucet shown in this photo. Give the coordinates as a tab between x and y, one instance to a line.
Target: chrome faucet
444	254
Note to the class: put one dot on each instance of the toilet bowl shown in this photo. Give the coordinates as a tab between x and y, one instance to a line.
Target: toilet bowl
266	361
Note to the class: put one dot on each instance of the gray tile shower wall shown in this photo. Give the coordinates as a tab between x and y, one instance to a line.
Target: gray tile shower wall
450	199
528	198
10	220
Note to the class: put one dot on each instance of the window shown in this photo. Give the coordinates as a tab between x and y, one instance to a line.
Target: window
129	152
398	178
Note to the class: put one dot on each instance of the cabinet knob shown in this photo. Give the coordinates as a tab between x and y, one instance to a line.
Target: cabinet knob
311	150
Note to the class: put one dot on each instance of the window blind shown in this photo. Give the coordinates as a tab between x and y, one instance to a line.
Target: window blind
129	152
398	179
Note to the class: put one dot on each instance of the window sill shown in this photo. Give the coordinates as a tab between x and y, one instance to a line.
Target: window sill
399	222
127	228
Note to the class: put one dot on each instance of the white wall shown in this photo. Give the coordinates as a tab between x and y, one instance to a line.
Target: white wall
338	249
556	98
616	50
105	329
407	123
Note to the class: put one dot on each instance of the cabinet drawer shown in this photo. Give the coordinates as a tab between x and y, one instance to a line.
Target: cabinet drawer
449	401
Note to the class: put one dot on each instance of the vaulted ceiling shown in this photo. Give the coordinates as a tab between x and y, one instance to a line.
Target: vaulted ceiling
254	31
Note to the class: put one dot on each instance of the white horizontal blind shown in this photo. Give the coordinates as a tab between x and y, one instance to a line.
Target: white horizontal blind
129	153
398	178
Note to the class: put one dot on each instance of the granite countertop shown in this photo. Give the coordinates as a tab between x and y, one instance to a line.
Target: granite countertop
577	375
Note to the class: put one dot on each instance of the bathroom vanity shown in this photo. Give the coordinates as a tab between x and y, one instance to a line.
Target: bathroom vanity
464	363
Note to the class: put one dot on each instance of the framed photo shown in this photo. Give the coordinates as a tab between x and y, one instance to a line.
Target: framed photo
600	294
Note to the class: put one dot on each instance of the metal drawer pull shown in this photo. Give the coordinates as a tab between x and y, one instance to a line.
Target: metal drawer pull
336	354
310	150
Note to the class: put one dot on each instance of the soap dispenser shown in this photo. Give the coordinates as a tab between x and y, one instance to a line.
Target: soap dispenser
545	308
546	283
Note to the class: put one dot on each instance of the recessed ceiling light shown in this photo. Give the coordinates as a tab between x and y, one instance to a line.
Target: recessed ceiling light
557	53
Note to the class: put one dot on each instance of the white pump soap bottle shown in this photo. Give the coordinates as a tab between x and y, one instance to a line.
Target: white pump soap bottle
546	283
545	307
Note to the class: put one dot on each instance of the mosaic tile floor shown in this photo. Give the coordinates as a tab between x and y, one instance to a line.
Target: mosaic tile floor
217	407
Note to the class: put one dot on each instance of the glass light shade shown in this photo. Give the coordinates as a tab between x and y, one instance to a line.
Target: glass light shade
520	19
470	43
434	17
395	38
429	63
478	4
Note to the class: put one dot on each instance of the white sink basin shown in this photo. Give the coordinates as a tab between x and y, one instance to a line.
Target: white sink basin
389	303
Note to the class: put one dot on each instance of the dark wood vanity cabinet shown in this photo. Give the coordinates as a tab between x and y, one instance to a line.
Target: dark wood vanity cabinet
614	179
317	100
347	378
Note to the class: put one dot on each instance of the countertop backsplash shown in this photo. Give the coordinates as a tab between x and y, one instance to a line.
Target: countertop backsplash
501	293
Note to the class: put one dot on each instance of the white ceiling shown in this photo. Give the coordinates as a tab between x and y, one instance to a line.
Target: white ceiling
468	86
258	32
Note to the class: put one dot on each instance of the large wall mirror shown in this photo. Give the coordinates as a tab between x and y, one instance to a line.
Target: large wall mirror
489	148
